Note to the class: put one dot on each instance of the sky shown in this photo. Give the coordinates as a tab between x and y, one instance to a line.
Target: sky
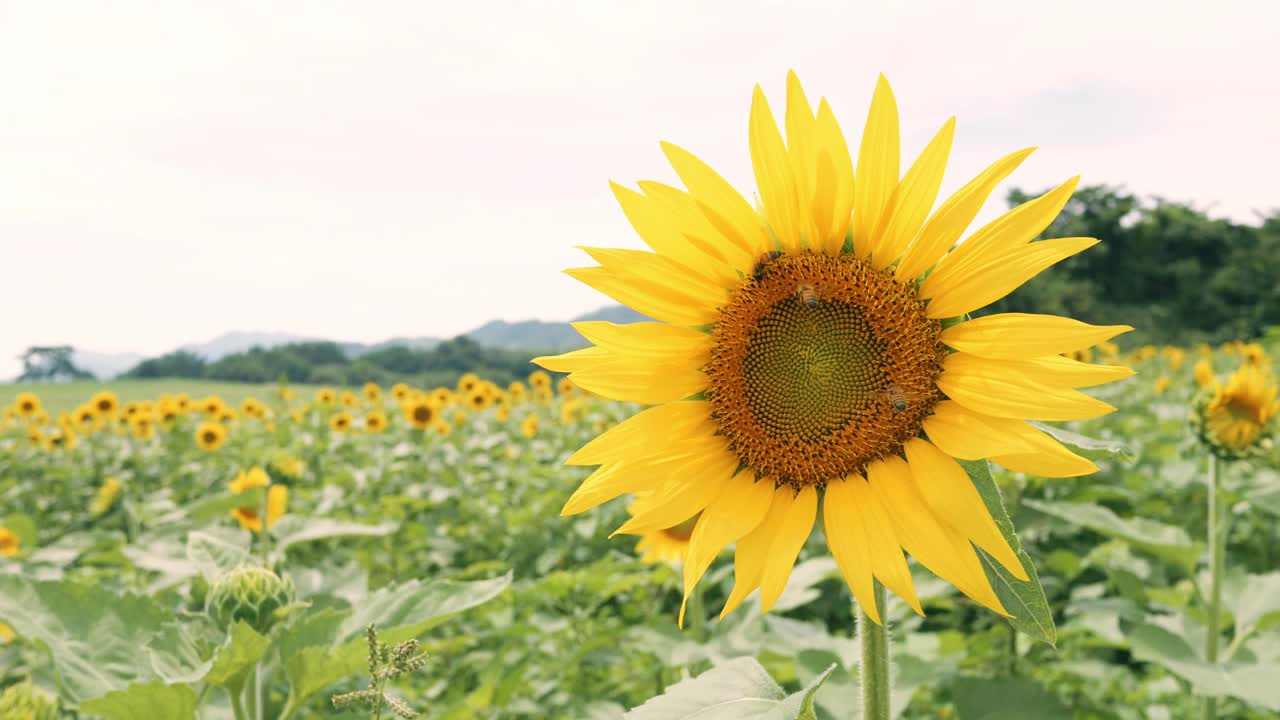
173	171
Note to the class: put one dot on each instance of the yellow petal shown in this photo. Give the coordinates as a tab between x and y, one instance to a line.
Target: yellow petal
1059	370
570	361
913	199
1011	230
944	228
887	563
739	510
723	207
648	433
698	230
649	298
773	174
660	341
616	480
999	275
950	494
676	280
847	539
752	552
793	531
642	381
1056	465
1024	335
877	172
1003	390
686	492
660	230
834	184
968	435
932	543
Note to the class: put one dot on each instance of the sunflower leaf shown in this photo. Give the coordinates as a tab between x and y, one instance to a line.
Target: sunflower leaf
1025	600
735	690
1093	446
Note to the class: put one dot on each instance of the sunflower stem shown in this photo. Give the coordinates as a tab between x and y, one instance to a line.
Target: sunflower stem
1215	582
874	639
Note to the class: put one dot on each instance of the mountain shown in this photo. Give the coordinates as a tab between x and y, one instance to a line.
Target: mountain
105	365
234	342
549	336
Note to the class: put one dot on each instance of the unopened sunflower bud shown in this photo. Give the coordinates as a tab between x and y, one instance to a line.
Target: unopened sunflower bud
251	594
25	702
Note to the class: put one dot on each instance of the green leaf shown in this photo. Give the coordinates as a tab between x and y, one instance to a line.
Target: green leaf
1005	699
1025	600
215	552
739	689
1251	682
178	655
1093	446
95	637
1163	541
399	612
220	505
1258	604
244	648
293	530
153	701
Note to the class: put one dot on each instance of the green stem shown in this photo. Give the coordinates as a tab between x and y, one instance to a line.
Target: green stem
696	615
1013	650
874	640
1215	583
237	704
251	693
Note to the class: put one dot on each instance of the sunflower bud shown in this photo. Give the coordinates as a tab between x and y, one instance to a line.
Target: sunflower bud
24	702
249	593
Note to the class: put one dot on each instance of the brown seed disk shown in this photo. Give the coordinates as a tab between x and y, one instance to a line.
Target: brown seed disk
821	365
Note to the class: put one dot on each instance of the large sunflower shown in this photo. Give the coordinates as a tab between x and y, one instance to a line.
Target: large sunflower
816	351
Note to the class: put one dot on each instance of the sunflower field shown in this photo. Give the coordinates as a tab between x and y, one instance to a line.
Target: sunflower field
707	515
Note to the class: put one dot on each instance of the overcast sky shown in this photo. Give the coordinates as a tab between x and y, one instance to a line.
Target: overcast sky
173	170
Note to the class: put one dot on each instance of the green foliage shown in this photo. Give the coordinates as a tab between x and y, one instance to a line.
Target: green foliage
736	690
249	594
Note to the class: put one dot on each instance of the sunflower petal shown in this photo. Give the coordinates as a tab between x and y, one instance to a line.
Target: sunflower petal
698	482
944	228
752	552
877	173
1059	370
968	435
642	381
847	539
1025	335
648	433
695	226
951	495
1000	275
727	210
793	531
739	510
773	174
572	360
834	185
660	230
1007	391
647	298
913	199
887	563
612	481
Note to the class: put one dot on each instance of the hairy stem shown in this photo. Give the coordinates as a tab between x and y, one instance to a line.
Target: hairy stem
874	672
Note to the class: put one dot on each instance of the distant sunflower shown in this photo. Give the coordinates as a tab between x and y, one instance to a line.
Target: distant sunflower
1161	384
375	421
340	422
372	392
277	499
1204	374
143	427
400	391
539	380
662	545
27	404
105	403
467	383
212	405
529	426
347	398
252	407
211	435
10	543
817	349
565	386
1237	419
419	412
477	400
325	396
502	413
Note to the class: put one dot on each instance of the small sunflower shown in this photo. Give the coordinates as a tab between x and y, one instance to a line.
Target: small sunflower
143	427
400	391
10	543
539	380
818	349
529	426
211	435
1161	384
326	396
106	496
211	405
442	428
502	413
441	396
565	387
347	399
340	422
517	390
477	400
372	392
251	407
226	416
105	403
277	499
419	412
61	438
1204	374
467	383
27	404
662	545
1237	420
375	421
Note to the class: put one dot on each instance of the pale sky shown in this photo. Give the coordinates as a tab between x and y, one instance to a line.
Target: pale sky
358	170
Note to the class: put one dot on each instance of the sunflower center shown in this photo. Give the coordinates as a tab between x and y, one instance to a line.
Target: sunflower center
821	365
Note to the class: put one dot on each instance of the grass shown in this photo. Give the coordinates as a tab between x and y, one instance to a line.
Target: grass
66	396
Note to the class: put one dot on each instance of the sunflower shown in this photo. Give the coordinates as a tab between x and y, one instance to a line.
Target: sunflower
467	382
277	499
27	404
442	428
1161	384
85	417
142	426
819	349
211	435
372	392
400	391
565	387
6	634
529	426
375	421
502	413
516	390
419	412
105	497
441	396
211	405
340	422
226	416
61	438
347	398
477	399
251	407
1237	419
325	396
539	380
9	542
1204	374
105	403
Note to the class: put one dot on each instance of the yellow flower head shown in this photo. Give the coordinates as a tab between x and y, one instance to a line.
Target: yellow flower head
27	404
539	380
347	398
211	435
477	399
326	396
105	498
1162	383
372	392
800	357
419	412
85	417
226	416
1204	373
400	391
502	413
288	464
375	421
1176	356
1239	418
441	396
6	634
529	426
105	403
212	406
252	408
340	422
1254	354
277	499
9	543
467	383
516	390
61	438
565	386
570	410
442	428
142	426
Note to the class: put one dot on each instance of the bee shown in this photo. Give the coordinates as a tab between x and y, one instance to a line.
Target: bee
763	262
808	294
898	397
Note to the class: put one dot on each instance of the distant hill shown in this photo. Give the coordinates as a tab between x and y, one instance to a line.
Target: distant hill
541	335
234	342
105	365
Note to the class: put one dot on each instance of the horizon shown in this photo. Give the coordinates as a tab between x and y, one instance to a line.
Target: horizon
172	173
